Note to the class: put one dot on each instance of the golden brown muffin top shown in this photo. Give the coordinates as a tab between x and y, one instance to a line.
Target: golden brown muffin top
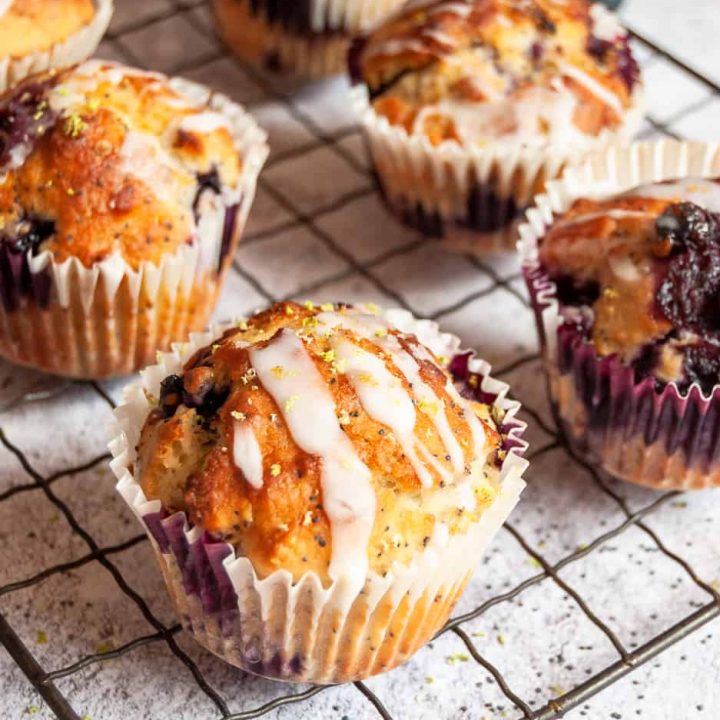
110	160
470	71
320	438
35	25
646	265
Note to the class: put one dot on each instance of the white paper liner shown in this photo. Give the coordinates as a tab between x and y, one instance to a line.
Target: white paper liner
440	179
110	319
334	636
320	52
601	176
74	49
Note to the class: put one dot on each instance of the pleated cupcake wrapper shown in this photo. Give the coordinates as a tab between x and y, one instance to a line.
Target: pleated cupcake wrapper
661	439
77	47
470	197
304	631
110	319
315	51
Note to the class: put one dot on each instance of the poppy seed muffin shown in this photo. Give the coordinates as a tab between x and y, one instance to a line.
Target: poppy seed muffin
496	97
113	183
37	35
625	284
331	449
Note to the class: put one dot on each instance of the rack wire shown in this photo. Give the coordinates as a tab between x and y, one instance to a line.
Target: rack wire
126	42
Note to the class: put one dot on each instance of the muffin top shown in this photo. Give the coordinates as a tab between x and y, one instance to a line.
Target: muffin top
476	71
640	274
320	438
35	25
102	159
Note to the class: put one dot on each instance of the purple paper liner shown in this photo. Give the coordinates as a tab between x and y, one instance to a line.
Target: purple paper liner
18	282
201	562
680	431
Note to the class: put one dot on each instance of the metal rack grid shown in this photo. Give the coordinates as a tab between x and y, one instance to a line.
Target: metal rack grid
127	41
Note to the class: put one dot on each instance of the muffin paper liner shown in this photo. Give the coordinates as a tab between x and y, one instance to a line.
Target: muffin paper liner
109	319
661	438
471	197
310	41
304	632
74	49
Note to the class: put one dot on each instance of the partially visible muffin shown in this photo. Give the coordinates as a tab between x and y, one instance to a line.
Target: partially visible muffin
121	200
37	35
308	38
634	355
333	451
641	274
489	99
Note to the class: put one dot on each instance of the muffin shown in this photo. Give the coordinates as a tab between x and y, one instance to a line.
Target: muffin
469	107
309	38
626	288
37	35
319	483
122	197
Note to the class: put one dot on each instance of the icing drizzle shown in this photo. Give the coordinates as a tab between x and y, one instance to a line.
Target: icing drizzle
309	412
393	399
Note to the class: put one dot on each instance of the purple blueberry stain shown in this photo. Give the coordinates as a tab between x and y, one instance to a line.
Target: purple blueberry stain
25	116
16	248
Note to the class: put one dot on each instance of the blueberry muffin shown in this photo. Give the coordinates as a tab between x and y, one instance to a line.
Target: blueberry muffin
122	195
626	289
37	35
309	38
339	480
470	107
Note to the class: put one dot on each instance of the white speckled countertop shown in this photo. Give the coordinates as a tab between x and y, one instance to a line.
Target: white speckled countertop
77	579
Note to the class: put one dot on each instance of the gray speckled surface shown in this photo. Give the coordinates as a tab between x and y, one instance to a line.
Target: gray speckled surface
109	594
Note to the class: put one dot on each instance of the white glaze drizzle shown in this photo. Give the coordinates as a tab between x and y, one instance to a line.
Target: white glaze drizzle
310	414
476	427
624	268
5	6
614	213
375	330
204	122
144	158
590	83
383	397
605	25
247	454
702	192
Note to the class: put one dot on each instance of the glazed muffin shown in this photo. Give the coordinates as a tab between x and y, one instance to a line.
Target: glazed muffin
37	35
122	196
470	107
309	38
626	288
338	480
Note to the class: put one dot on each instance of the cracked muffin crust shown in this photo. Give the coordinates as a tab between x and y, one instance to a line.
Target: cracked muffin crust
320	438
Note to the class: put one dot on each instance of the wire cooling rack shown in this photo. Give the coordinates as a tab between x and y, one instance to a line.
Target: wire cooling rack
319	230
